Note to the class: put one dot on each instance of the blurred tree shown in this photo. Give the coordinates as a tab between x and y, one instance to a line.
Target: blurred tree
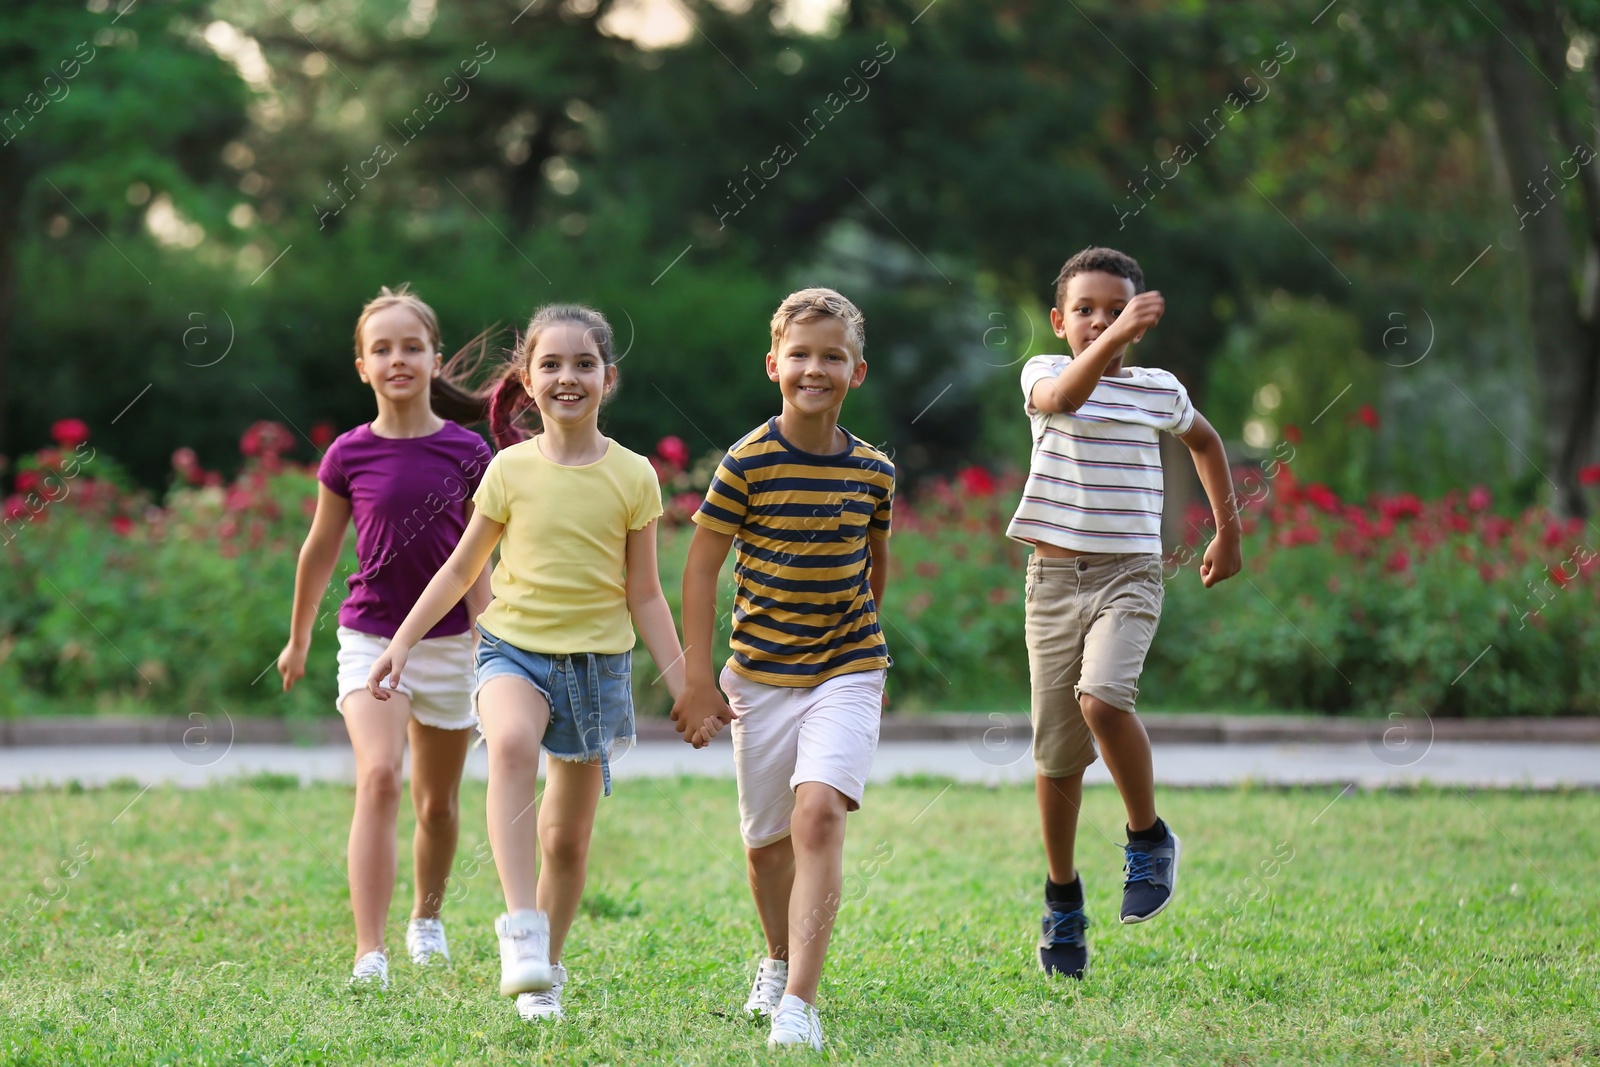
1411	78
134	81
1545	99
936	161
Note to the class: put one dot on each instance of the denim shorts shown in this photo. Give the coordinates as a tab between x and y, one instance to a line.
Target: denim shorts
590	696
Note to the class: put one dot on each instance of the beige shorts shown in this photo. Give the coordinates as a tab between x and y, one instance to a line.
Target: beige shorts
1090	620
787	735
438	677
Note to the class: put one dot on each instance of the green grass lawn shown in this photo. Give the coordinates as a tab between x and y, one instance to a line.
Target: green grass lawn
212	927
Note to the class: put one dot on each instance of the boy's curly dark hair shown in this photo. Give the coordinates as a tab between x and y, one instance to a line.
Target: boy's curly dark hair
1108	260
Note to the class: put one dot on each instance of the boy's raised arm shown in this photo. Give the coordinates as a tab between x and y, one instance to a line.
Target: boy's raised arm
700	700
1069	390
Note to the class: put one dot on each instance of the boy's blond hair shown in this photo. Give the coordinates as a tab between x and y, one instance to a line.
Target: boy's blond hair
808	305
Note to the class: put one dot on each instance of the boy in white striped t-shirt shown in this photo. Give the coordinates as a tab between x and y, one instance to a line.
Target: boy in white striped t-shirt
1091	508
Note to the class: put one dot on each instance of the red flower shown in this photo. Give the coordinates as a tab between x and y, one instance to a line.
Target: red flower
1291	433
1589	475
1301	533
322	435
265	438
1403	506
187	464
15	506
1322	497
1367	415
1399	560
26	480
976	481
1556	576
1285	486
1479	498
673	452
688	503
70	433
1552	535
927	569
1497	528
121	525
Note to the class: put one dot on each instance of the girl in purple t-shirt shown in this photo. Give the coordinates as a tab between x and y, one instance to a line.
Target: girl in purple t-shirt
407	478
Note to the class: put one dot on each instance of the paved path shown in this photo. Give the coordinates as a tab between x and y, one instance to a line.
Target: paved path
1368	765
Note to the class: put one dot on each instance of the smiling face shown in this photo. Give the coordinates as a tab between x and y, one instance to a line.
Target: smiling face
1092	302
566	375
815	365
399	356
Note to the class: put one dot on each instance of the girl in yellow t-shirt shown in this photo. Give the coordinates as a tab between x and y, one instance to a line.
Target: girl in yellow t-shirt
575	516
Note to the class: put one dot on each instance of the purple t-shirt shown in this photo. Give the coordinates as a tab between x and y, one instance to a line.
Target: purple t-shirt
408	498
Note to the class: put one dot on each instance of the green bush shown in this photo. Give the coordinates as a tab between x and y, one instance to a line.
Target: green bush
111	602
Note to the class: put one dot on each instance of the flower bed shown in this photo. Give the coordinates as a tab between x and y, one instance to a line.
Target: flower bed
110	600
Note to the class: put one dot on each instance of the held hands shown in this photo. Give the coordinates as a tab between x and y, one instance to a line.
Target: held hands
292	663
700	714
1222	559
1139	314
387	666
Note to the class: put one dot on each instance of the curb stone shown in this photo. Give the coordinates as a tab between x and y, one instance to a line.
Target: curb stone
992	728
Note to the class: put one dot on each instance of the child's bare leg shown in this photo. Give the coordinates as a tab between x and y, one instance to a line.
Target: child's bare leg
817	833
514	717
437	759
771	872
378	737
1060	800
566	822
1126	749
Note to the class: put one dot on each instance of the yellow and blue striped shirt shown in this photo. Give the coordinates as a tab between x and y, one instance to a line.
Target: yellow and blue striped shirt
803	612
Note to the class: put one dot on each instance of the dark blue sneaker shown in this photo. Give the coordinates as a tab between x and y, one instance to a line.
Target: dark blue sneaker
1152	868
1063	948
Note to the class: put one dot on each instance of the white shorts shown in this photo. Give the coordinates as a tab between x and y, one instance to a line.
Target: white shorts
787	735
438	678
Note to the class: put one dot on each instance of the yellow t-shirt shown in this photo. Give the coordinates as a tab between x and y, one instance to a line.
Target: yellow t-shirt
558	587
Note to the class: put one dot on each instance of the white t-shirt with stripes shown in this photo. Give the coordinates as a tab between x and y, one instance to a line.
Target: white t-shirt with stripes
1094	484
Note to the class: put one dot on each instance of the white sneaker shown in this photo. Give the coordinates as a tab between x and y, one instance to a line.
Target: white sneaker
771	978
371	968
795	1023
425	941
524	952
547	1005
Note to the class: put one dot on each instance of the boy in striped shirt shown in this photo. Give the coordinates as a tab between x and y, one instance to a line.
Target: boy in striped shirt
1091	508
806	506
